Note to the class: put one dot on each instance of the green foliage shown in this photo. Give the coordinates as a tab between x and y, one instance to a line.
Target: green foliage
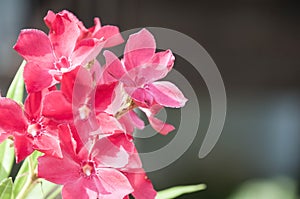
15	92
179	190
6	189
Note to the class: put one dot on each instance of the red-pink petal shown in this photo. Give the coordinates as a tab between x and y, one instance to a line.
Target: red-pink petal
56	106
160	126
114	182
114	69
167	94
48	143
12	118
111	35
143	188
58	170
107	154
37	77
139	48
23	146
32	105
104	96
34	46
63	35
86	50
142	97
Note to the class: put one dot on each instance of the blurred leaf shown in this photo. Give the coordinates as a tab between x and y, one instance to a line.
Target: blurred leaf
277	188
44	189
6	189
25	173
6	158
16	89
179	190
15	92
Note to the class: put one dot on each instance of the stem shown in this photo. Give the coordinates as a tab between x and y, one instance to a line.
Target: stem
30	182
122	112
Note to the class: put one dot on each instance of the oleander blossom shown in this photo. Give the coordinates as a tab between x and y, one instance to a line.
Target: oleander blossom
81	115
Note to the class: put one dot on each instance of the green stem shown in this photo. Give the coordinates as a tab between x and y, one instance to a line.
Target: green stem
31	181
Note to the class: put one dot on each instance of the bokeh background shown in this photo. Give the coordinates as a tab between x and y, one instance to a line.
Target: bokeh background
256	46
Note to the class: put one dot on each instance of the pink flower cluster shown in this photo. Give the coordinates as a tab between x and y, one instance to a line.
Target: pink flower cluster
81	115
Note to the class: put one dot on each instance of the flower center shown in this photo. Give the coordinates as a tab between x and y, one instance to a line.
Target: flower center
34	129
88	168
84	112
63	64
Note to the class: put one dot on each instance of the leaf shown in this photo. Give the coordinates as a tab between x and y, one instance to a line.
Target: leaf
6	189
25	174
44	189
179	190
6	158
15	92
16	89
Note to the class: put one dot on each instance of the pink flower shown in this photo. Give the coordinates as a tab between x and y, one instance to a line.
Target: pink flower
139	71
87	174
29	129
48	57
79	101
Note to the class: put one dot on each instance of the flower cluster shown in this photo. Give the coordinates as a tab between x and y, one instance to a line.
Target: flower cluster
81	115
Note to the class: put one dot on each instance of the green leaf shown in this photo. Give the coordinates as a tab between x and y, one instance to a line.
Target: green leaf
6	158
24	179
45	189
15	92
16	89
6	189
179	190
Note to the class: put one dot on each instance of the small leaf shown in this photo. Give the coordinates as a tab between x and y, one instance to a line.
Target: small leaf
179	190
25	173
6	189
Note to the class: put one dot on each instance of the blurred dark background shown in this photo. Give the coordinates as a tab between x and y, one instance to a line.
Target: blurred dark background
256	46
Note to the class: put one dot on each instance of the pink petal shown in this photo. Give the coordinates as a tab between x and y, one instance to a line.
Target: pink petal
33	105
114	182
111	35
142	97
104	96
23	147
83	188
58	170
37	77
34	46
160	126
63	35
114	69
107	154
143	188
86	50
48	143
139	48
108	124
12	118
56	106
167	94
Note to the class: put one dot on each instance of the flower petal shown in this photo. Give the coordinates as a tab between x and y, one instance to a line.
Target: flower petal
114	182
37	77
23	146
167	94
111	35
139	48
34	46
56	106
143	188
12	118
63	35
